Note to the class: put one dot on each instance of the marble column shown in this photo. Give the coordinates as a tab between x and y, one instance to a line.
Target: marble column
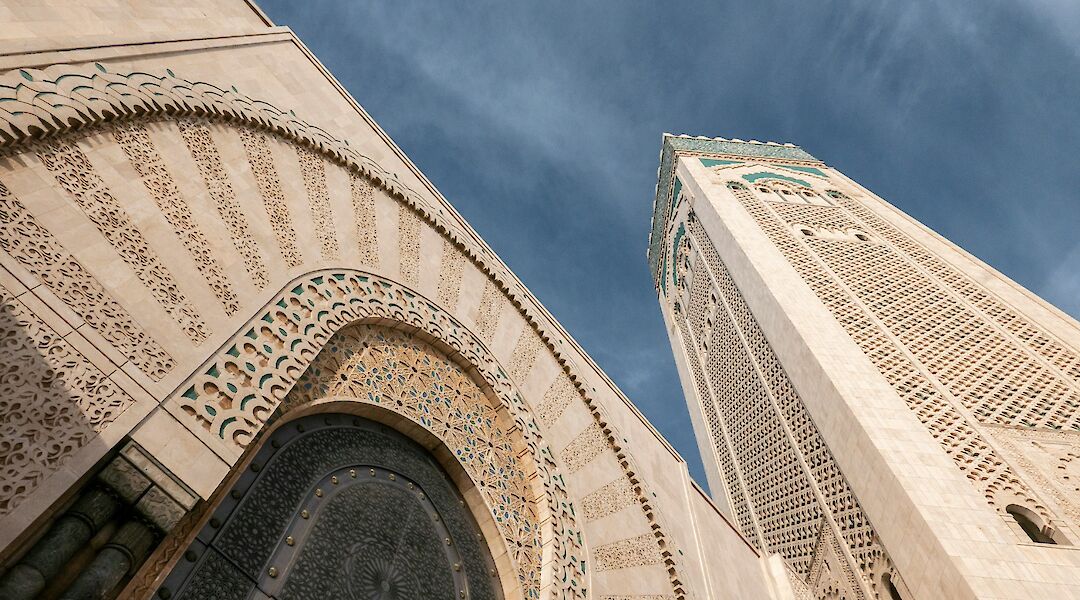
67	536
121	556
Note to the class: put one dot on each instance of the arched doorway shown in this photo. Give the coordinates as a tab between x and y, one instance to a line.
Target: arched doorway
335	506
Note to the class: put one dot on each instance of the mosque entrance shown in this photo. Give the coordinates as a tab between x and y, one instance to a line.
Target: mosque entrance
335	506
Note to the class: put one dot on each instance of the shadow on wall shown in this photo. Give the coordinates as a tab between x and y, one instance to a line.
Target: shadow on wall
53	403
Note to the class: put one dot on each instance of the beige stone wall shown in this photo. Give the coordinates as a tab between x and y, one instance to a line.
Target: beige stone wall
187	270
932	470
43	25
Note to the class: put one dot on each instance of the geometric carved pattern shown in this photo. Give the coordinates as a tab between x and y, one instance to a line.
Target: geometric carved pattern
487	315
765	418
947	423
262	167
313	166
1049	459
147	162
729	467
1037	339
231	397
609	499
362	193
77	176
204	151
453	262
40	253
1035	378
388	367
831	575
408	245
53	401
588	444
752	429
632	552
559	396
523	357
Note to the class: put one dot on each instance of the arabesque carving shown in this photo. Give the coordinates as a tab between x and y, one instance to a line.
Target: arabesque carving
53	401
203	150
135	140
40	253
75	174
397	370
44	103
313	168
261	160
232	397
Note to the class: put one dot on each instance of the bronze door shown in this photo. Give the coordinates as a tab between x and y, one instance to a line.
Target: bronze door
338	507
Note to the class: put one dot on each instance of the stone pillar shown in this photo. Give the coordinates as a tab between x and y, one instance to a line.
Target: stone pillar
67	536
124	552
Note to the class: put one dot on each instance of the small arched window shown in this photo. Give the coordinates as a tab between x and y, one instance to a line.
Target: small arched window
807	232
862	237
890	589
1030	523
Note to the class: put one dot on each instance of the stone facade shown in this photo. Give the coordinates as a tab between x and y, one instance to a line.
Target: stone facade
194	276
192	273
886	413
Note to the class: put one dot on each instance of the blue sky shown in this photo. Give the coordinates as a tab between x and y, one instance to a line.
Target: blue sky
541	123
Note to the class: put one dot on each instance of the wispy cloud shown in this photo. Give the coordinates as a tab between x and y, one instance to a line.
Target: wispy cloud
541	123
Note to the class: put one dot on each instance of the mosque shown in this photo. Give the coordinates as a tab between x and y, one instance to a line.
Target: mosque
250	352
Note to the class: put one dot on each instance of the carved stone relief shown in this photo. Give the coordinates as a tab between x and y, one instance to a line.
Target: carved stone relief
632	552
958	436
588	444
86	95
75	174
453	264
487	315
229	399
277	208
558	397
147	162
608	499
41	254
313	167
409	245
203	150
53	401
388	367
362	194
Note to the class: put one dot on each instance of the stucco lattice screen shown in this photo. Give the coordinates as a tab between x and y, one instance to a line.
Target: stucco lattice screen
827	267
783	482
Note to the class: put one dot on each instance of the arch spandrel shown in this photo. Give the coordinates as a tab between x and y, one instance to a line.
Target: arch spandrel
232	394
325	325
399	371
335	505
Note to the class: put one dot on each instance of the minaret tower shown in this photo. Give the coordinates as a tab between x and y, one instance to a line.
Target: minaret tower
891	415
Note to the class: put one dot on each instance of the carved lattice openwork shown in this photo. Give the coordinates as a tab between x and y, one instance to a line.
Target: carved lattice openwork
784	487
